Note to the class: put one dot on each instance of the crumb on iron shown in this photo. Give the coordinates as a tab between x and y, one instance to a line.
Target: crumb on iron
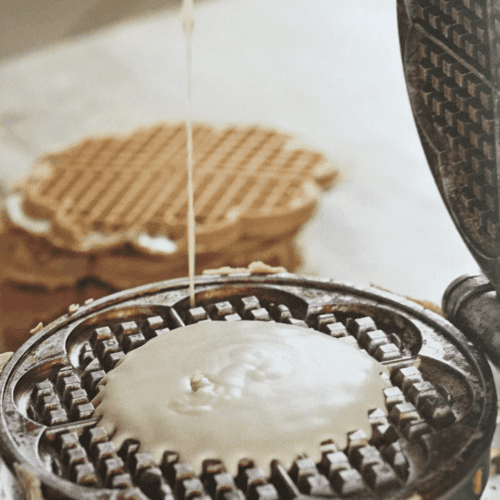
88	301
427	304
4	359
259	267
477	481
226	270
37	328
495	460
29	485
256	267
73	308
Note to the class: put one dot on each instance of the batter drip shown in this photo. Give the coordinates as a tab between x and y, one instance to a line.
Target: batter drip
245	389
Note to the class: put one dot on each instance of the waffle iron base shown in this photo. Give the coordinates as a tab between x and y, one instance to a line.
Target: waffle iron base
431	441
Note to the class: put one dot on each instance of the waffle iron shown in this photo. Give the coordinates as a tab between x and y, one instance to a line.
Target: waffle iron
451	54
431	441
432	438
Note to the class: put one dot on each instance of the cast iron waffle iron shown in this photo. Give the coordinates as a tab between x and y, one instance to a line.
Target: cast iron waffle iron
450	53
430	441
451	56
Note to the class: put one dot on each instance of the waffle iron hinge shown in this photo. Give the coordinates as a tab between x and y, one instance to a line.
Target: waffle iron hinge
472	304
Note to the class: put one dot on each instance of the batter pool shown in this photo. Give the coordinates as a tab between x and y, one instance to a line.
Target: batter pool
244	389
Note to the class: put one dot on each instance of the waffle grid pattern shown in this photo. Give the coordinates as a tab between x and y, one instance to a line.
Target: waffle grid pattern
454	62
138	183
461	25
81	451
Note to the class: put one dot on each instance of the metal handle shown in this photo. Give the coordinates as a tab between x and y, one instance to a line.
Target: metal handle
472	305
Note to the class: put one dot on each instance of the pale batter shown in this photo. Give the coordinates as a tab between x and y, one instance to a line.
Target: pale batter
245	389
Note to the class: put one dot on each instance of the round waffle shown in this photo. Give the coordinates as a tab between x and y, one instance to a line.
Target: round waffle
113	209
29	260
24	307
108	191
38	281
430	440
32	260
122	270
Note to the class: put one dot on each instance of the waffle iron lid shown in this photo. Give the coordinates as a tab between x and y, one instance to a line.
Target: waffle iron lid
451	56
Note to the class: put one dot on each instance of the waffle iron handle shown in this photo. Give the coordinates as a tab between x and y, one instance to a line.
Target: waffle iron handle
473	306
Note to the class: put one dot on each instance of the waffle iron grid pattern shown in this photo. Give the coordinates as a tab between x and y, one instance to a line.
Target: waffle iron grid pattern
451	52
76	448
460	102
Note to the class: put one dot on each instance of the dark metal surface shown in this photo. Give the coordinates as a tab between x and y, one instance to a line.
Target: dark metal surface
471	304
432	438
451	61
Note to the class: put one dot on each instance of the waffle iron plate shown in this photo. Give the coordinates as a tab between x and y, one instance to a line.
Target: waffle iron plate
431	439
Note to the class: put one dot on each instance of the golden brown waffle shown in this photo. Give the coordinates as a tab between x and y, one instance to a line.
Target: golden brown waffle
107	191
31	260
79	217
126	271
38	283
23	307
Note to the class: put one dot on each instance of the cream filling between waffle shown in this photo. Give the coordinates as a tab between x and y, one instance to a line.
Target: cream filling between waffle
245	389
160	244
16	214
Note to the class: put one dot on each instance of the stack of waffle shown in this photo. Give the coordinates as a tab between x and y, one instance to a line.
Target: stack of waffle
110	213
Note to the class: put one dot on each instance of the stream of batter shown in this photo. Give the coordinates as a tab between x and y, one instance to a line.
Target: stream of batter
188	25
234	390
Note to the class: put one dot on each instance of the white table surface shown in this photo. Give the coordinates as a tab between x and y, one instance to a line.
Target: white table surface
327	70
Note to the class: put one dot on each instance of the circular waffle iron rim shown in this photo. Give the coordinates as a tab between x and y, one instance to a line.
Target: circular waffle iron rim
9	448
